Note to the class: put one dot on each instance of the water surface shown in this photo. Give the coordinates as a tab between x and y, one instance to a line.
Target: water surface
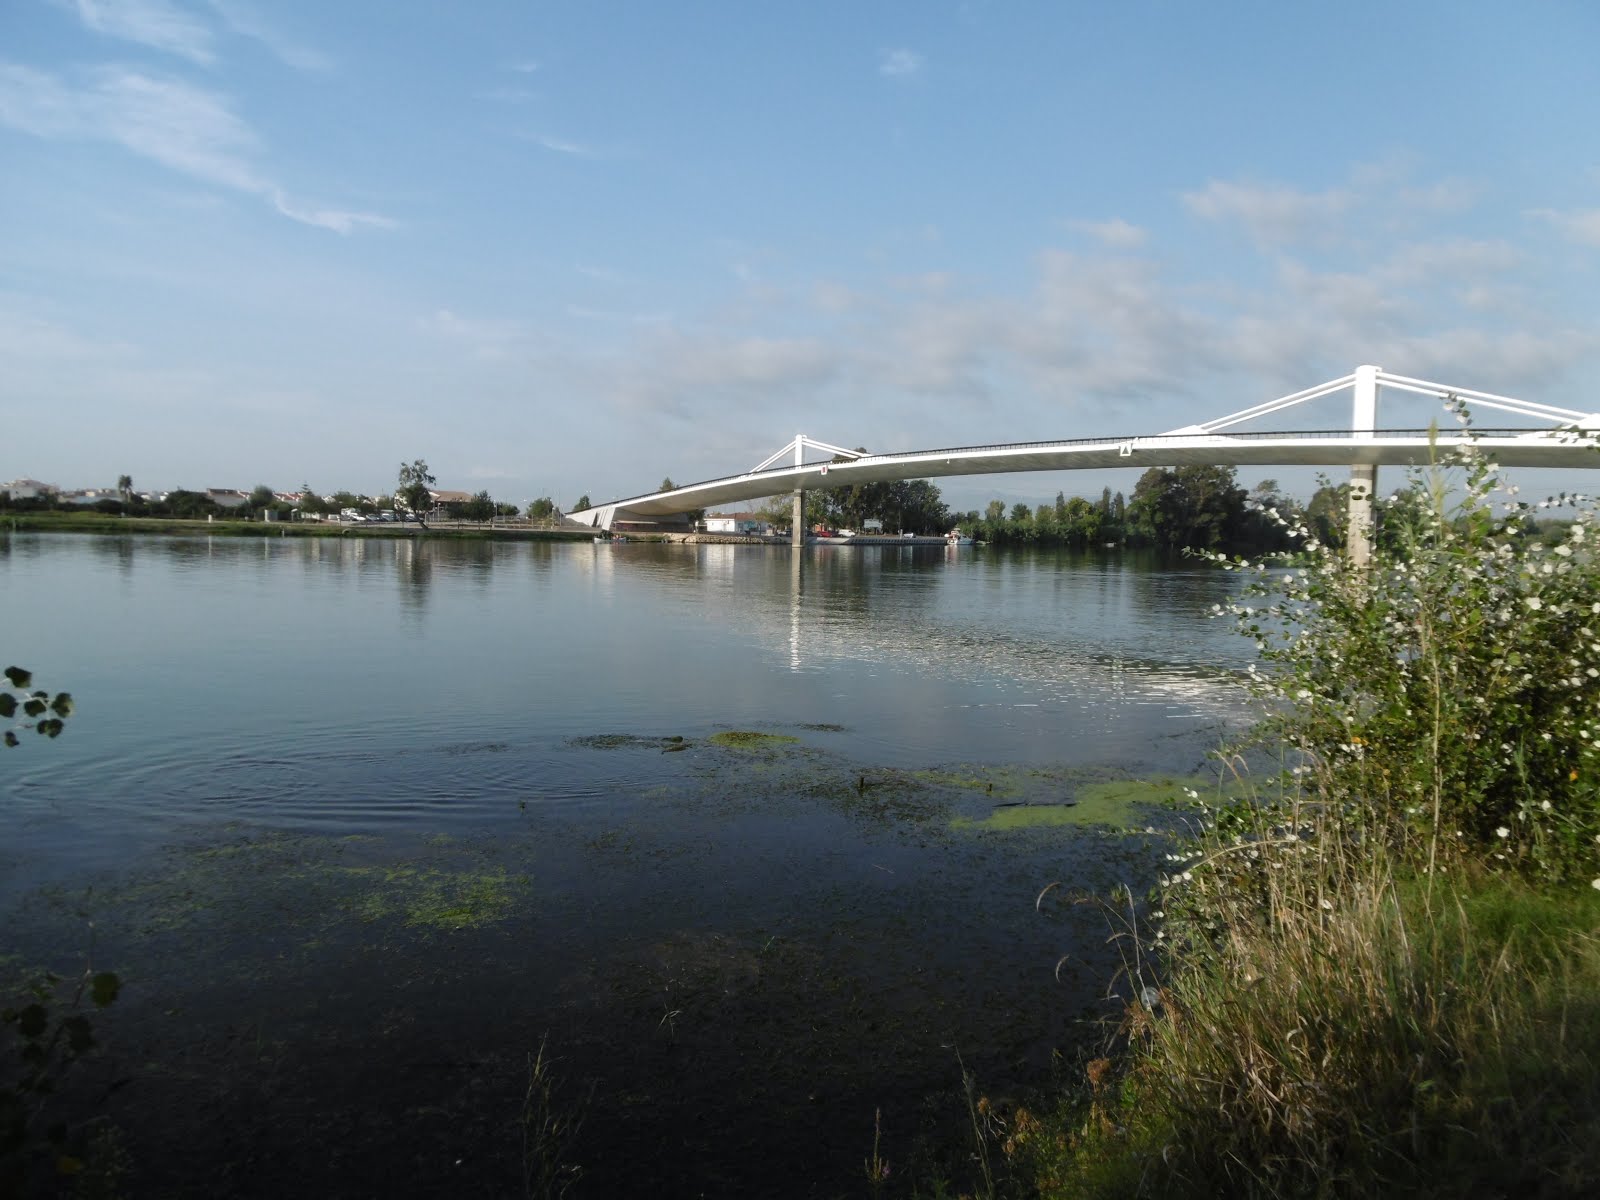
362	821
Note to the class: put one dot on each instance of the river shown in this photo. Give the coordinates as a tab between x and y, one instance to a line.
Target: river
743	837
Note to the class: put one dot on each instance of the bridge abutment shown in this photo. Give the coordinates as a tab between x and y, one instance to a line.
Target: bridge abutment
797	535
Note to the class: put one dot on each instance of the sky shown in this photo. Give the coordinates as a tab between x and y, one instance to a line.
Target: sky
564	248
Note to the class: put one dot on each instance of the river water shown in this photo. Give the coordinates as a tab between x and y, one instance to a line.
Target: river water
363	822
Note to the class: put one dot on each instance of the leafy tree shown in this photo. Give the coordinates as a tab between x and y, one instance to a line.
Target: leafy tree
415	484
125	487
262	497
583	503
1329	512
190	505
541	509
310	502
479	508
667	485
1198	506
505	510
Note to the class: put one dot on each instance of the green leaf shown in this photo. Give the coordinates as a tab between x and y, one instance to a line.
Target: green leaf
62	704
10	738
8	705
51	728
18	678
104	988
34	708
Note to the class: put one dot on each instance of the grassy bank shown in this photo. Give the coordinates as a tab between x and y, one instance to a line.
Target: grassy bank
72	522
1380	975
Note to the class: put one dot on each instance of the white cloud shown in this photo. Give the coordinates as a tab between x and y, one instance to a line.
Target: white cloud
562	146
624	318
1270	213
1580	225
899	64
526	67
153	23
1115	233
244	20
168	121
335	219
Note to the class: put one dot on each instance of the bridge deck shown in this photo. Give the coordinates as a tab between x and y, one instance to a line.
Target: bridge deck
1327	448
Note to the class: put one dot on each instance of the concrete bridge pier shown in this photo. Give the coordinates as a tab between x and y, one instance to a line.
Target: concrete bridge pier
1363	501
797	536
1363	479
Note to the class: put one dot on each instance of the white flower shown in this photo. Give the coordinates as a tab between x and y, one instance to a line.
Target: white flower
1595	883
1534	603
1502	832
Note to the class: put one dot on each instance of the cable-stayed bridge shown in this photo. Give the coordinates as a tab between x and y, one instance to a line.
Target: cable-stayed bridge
1567	438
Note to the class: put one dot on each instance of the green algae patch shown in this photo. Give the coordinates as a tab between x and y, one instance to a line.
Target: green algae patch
426	898
1115	804
629	741
1005	783
749	739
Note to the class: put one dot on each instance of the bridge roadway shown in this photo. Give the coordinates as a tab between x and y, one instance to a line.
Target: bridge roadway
1562	448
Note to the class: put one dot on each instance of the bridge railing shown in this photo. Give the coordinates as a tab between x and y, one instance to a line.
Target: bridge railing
1141	439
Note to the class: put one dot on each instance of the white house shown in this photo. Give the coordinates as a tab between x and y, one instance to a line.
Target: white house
29	489
745	523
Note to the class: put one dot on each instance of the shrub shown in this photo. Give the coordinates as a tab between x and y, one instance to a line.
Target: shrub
1450	690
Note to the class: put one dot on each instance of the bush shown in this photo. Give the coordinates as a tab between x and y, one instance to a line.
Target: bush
1451	689
1381	975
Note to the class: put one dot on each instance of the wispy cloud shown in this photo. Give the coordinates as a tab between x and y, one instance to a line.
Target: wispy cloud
1115	233
490	339
246	21
1579	225
1270	213
627	318
508	95
168	121
335	219
526	67
563	146
899	64
153	23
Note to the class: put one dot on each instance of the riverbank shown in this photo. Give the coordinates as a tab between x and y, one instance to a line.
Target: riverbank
61	522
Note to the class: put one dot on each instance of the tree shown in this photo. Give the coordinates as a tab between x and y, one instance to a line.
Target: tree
125	487
583	503
261	497
667	485
191	505
1198	507
505	510
415	484
1328	513
479	508
541	509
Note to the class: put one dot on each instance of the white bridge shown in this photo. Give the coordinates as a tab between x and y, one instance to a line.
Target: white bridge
1568	439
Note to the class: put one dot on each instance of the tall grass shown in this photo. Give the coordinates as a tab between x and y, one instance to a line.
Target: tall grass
1362	1034
1386	979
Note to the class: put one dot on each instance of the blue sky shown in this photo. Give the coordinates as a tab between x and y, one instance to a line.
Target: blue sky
557	248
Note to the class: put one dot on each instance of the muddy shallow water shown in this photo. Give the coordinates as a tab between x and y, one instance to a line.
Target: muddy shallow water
752	852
